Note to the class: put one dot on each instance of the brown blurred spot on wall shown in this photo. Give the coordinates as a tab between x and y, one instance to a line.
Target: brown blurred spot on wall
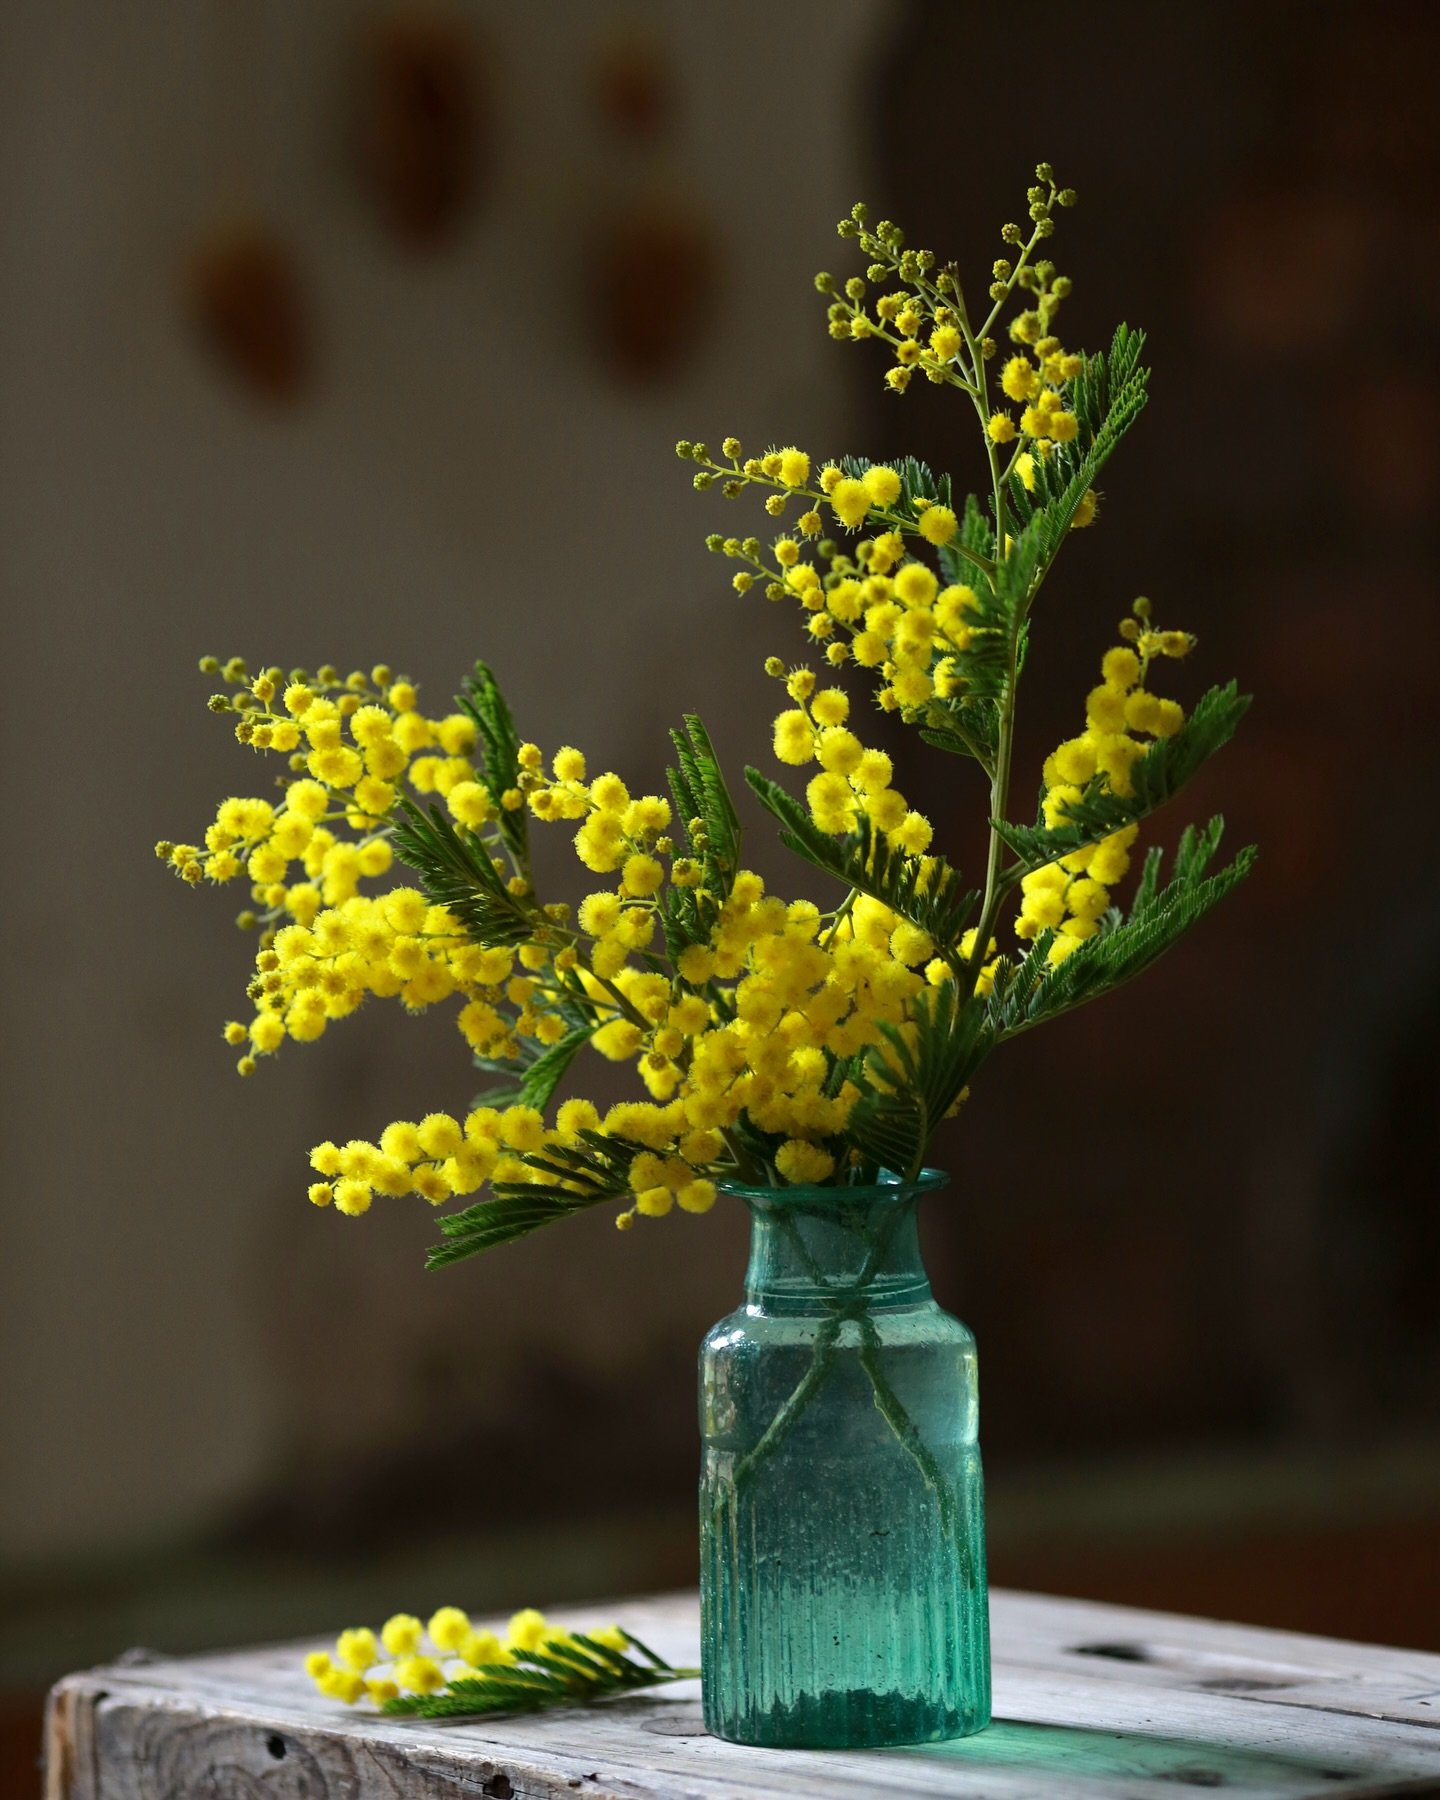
246	296
423	124
652	273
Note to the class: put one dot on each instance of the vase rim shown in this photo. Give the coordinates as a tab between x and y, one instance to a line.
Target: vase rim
833	1196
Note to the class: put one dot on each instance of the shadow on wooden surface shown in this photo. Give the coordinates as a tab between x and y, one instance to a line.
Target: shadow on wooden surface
1076	1753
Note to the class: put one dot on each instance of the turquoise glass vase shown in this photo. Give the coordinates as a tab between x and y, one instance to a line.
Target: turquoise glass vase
842	1528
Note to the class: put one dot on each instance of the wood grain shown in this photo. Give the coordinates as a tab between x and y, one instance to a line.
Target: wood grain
1090	1701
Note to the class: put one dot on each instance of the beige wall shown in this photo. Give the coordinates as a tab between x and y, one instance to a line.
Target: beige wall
174	1321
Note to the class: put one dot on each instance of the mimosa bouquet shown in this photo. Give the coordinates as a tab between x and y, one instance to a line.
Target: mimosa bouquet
813	1041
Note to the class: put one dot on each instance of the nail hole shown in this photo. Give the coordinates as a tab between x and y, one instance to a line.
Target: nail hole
1239	1684
1136	1653
275	1744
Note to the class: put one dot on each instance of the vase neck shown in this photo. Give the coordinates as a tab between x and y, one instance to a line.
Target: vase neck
828	1249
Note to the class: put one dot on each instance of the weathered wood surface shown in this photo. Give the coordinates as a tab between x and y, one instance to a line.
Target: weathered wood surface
1090	1701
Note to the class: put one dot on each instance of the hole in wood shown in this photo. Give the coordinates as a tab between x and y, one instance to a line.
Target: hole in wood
1136	1653
1239	1684
275	1744
499	1788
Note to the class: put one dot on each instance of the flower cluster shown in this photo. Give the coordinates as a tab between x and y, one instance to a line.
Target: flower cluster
348	744
749	1026
1071	895
774	1039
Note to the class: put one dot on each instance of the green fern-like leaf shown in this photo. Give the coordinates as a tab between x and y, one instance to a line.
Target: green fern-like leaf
592	1170
501	1220
907	1088
917	480
547	1071
485	705
456	872
1160	914
573	1671
864	860
1157	777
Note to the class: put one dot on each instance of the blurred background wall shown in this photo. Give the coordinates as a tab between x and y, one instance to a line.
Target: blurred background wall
358	331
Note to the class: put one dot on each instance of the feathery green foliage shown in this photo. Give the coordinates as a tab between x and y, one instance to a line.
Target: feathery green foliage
709	827
595	1167
865	861
1030	994
456	872
576	1671
500	753
907	1089
1156	778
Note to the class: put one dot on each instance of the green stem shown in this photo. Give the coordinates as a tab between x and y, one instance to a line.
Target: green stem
746	1167
842	1303
915	1447
849	1306
800	1397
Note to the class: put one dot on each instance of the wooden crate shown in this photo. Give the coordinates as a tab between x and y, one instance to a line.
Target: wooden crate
1090	1701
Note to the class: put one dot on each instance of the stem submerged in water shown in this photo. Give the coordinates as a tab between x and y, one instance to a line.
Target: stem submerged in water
849	1304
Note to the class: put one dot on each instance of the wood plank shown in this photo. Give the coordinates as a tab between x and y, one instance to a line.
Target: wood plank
1284	1668
1183	1706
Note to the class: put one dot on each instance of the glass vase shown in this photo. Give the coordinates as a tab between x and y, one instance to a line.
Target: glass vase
842	1569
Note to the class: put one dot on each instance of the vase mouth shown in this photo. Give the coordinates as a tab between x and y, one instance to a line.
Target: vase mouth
839	1196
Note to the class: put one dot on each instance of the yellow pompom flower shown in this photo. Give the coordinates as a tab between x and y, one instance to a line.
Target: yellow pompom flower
913	834
794	469
357	1649
649	814
802	1164
1020	379
1120	667
455	734
794	737
528	1630
882	485
449	1628
342	1684
1086	511
831	803
696	964
352	1197
839	751
642	875
938	525
831	706
1105	708
610	794
439	1135
1000	428
418	1675
915	585
850	501
402	1634
696	1196
470	803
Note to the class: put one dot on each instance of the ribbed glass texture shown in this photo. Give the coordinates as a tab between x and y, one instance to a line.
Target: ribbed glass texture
842	1526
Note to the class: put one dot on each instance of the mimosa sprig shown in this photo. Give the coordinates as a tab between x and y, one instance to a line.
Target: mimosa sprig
454	1669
